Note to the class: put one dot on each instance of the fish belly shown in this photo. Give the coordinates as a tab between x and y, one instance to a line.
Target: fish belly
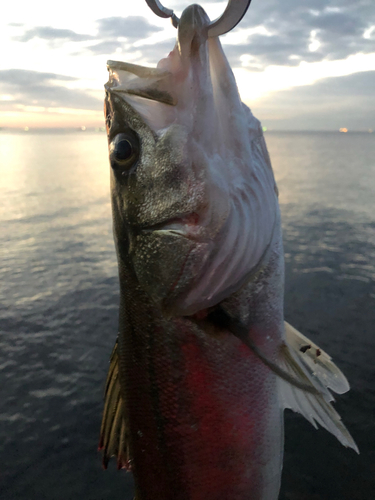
203	414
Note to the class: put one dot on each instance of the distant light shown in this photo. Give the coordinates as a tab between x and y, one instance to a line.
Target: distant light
83	128
264	129
343	129
370	131
26	129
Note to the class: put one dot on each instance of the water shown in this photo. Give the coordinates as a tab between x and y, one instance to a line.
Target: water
59	300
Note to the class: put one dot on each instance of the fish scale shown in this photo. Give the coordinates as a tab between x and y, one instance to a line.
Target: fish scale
195	400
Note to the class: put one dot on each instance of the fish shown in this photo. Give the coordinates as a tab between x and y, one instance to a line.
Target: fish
204	363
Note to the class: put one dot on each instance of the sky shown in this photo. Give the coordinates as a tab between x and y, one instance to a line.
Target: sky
299	64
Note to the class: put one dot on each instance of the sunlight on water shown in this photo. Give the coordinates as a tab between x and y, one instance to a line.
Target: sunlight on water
35	167
56	193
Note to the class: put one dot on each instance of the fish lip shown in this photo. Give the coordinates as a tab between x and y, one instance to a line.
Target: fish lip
179	225
165	230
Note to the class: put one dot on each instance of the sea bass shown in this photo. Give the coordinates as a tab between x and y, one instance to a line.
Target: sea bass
204	364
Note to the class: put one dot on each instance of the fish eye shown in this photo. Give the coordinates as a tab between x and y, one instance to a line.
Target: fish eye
123	152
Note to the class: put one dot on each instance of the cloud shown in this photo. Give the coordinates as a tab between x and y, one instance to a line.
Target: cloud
113	30
267	50
337	29
34	88
346	101
292	31
20	77
105	47
111	33
149	54
330	103
283	33
152	53
132	27
52	35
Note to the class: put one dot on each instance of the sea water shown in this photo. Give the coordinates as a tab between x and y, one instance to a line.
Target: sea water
59	306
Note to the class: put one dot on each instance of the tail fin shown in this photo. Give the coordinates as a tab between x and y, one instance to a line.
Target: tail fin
304	360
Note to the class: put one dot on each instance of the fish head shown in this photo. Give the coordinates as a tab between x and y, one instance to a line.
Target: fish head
181	172
159	198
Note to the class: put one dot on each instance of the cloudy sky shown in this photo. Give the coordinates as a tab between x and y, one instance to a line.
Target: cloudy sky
299	64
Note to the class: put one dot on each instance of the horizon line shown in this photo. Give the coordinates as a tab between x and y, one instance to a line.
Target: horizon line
102	129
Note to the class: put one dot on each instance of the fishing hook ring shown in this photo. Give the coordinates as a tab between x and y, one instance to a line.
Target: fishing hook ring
231	16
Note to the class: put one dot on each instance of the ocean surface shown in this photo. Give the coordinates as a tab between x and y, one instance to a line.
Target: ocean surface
59	306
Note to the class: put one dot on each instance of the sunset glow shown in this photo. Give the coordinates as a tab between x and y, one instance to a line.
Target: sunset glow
54	68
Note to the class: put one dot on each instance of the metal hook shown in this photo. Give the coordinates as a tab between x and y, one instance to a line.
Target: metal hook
232	15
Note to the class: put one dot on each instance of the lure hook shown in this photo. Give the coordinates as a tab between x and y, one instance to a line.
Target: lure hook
231	16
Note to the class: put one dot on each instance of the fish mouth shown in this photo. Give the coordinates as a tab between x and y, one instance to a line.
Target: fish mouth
184	225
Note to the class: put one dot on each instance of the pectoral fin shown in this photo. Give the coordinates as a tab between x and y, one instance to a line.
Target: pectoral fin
316	360
113	435
218	317
305	361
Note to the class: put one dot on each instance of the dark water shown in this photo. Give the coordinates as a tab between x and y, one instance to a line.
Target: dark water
59	296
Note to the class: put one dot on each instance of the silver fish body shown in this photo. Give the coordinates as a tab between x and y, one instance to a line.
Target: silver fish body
205	364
